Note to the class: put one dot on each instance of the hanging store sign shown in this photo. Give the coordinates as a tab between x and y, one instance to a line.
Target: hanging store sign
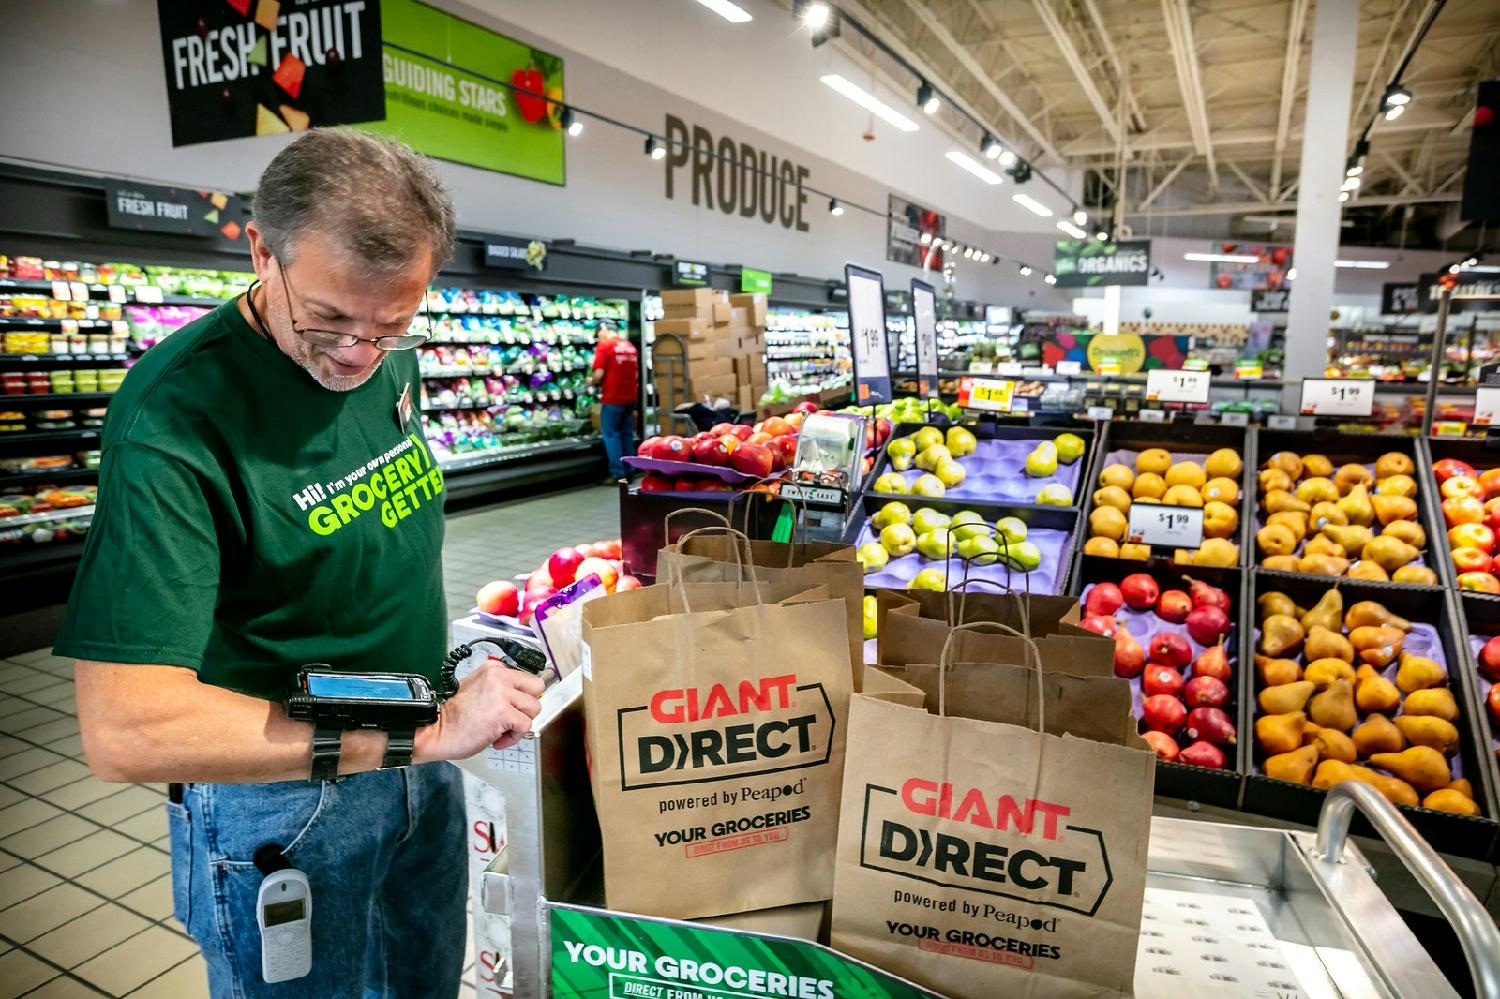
1262	268
236	68
734	177
1472	292
753	280
1271	300
511	254
1400	299
458	92
908	224
868	335
1481	197
690	273
924	317
1092	264
151	208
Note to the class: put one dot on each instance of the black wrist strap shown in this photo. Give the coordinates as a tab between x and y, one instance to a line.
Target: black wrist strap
398	749
327	743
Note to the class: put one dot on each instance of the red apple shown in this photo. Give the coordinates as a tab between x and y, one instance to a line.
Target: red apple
610	547
1492	704
776	427
720	429
1490	480
1208	625
1174	606
1472	560
1463	510
627	583
1103	599
1100	624
1489	660
1159	679
499	598
1448	468
562	566
1471	536
752	459
805	407
686	484
655	482
1205	692
1163	713
1171	649
1164	744
1492	513
672	448
1479	582
1461	485
602	568
647	447
1139	591
785	446
712	451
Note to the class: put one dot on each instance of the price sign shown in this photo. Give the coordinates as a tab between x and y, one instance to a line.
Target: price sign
1235	419
986	394
982	367
1008	368
1281	421
1337	397
867	335
1068	367
1248	372
1101	413
1170	385
812	494
1109	368
1169	526
1486	405
148	293
1152	416
1451	428
924	316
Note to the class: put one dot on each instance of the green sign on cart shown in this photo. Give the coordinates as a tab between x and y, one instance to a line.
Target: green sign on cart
753	280
605	955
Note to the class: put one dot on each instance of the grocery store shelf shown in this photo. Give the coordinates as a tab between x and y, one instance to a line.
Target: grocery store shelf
42	286
56	400
15	557
495	455
24	443
21	520
43	477
33	362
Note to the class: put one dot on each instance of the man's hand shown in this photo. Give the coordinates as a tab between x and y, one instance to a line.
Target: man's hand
493	707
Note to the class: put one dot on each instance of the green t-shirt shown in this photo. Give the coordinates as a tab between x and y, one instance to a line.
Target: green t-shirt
250	521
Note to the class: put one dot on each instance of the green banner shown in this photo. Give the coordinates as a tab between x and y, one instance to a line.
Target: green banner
442	95
602	955
1089	263
752	280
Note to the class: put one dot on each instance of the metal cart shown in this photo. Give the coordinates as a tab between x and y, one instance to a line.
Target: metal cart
1230	910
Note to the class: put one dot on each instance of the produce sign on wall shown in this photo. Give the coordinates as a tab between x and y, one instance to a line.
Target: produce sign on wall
1271	300
1090	264
1265	266
446	94
236	68
1130	352
908	222
1471	292
1400	299
734	177
171	209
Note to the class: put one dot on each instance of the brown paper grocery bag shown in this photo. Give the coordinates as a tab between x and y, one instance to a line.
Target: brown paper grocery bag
985	857
716	724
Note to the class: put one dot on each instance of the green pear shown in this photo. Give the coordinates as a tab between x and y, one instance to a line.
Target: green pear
1055	494
1070	448
968	524
1011	530
980	547
950	473
929	579
927	519
891	482
935	544
930	457
1042	461
930	486
901	451
926	437
867	609
960	441
872	556
1024	556
898	540
894	512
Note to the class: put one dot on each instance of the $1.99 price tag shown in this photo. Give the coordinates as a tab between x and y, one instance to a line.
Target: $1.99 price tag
1337	397
986	394
1486	405
1170	385
1169	526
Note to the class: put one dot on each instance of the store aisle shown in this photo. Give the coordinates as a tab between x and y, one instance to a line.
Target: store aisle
85	888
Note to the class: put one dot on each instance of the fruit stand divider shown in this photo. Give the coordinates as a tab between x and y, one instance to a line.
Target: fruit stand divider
1221	788
1459	835
1479	617
1477	452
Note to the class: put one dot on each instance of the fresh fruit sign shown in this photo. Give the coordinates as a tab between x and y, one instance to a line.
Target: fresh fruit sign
446	94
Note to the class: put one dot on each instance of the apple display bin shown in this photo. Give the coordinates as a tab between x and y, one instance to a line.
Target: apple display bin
1264	904
1185	440
1435	610
1362	449
1480	616
644	530
996	471
1481	452
1179	780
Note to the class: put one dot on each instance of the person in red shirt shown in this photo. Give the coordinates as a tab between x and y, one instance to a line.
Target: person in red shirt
617	372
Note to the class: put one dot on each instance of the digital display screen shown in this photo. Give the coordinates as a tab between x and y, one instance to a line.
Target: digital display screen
368	687
276	913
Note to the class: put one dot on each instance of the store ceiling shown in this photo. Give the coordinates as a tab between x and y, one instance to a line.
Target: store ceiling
1202	100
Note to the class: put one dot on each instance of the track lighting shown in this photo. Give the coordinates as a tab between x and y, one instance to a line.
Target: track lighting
985	258
990	147
1343	196
1025	271
1050	279
1020	172
1007	159
1080	217
1394	112
1350	184
926	239
1395	96
1353	168
927	98
1102	235
655	149
570	123
812	13
1454	269
834	208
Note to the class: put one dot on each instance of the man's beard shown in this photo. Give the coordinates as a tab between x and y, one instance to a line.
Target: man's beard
307	361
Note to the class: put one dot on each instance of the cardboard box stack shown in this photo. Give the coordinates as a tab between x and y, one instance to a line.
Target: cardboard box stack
724	339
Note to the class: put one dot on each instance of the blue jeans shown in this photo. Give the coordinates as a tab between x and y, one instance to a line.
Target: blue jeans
385	860
618	430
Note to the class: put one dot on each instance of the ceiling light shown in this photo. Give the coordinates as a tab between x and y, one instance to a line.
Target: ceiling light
1071	229
1454	269
991	147
1050	279
1393	113
1351	184
1032	205
985	257
655	149
1395	96
813	14
1363	265
834	208
1020	172
1080	217
1102	235
1221	258
1025	270
1007	159
1343	196
1471	262
869	102
1291	275
730	12
570	123
926	239
968	253
927	98
972	165
1354	168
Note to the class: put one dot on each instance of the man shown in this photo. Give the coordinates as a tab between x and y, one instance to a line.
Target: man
266	500
617	371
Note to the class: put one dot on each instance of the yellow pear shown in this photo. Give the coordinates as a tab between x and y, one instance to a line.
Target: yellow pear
1356	506
1317	491
1317	465
1323	545
1351	475
1281	635
1278	500
1417	575
1273	672
1275	539
1117	475
1296	766
1328	612
1288	462
1220	490
1378	646
1323	565
1281	563
1394	463
1322	672
1334	707
1182	496
1423	767
1113	496
1365	569
1332	744
1407	530
1223	464
1286	698
1186	473
1369	612
1290	519
1148	486
1389	509
1217	553
1325	643
1101	546
1326	515
1153	459
1463	787
1418	673
1137	553
1449	800
1435	701
1271	479
1389	553
1397	485
1351	540
1427	730
1276	602
1280	733
1374	693
1378	734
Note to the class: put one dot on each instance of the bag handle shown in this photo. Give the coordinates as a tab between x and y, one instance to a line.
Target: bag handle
666	522
1034	653
749	495
743	558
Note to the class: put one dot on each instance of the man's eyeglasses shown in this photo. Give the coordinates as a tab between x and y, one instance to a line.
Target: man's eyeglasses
330	338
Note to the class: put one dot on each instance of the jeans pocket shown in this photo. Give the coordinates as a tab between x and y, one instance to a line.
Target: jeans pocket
249	816
180	830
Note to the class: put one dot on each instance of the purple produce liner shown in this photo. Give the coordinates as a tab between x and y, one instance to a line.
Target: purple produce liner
730	475
1055	546
1422	640
997	473
1260	521
1145	625
1477	642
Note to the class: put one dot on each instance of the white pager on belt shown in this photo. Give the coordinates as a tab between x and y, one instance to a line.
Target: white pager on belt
283	909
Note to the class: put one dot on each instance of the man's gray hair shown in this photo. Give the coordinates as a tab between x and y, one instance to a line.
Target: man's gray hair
374	197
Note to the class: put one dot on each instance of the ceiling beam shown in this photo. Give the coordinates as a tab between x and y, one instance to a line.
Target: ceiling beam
1179	23
1171	176
1407	179
1243	207
1048	14
1245	179
968	62
1378	70
1289	63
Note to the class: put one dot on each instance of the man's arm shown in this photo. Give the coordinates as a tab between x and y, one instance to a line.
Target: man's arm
159	723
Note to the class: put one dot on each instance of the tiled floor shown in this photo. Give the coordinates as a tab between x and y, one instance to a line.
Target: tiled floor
85	889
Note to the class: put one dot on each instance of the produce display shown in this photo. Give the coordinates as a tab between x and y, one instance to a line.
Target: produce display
1486	649
932	464
43	515
1471	513
1357	520
1175	647
925	549
807	353
503	599
1155	475
1357	693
